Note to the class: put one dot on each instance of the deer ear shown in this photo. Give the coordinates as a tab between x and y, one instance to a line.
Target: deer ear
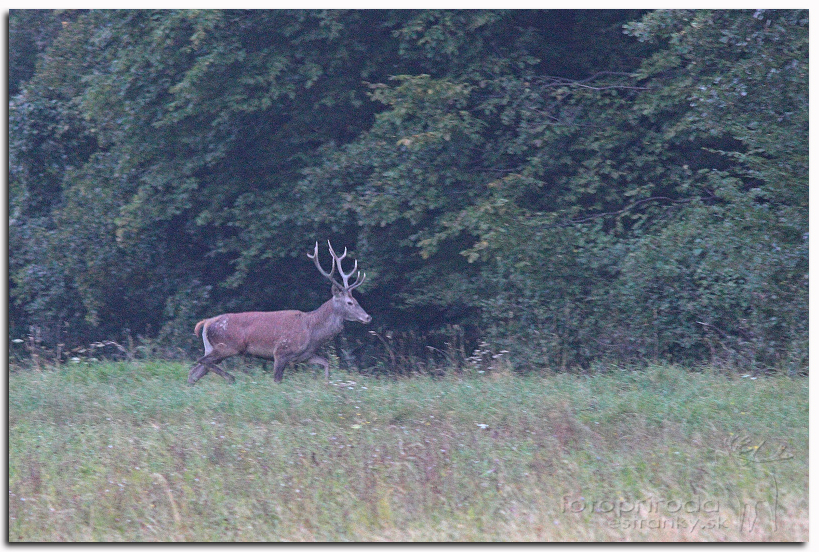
337	291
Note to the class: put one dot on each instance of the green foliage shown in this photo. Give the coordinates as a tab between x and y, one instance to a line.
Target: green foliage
572	186
689	245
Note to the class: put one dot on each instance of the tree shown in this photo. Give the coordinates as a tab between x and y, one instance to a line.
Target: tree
572	185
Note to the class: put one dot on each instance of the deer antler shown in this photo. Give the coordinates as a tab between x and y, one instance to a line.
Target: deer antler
359	279
337	262
328	275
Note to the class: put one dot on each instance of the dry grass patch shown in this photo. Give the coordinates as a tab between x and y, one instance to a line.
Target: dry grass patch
128	452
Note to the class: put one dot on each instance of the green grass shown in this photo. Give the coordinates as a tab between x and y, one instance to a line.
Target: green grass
129	452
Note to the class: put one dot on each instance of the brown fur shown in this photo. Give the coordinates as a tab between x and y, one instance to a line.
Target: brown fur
284	336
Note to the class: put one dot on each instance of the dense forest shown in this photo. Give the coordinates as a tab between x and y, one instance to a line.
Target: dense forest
569	187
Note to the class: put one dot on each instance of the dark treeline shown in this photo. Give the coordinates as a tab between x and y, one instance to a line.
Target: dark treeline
570	186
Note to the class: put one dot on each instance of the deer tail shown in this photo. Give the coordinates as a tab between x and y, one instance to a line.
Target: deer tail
204	325
199	325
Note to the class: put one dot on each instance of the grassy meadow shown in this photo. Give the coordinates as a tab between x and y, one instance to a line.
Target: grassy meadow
128	452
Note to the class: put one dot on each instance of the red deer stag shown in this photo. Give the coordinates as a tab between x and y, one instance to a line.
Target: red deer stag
285	336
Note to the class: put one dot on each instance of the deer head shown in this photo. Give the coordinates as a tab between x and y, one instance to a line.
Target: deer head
343	301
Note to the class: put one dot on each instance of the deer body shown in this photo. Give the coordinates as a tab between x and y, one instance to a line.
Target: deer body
284	336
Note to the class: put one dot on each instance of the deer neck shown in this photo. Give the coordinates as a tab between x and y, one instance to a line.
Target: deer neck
325	322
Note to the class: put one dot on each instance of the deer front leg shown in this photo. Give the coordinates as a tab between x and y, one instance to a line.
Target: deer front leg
322	362
279	363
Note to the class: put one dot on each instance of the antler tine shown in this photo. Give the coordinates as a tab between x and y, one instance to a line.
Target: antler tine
345	277
333	253
359	279
315	252
314	256
328	275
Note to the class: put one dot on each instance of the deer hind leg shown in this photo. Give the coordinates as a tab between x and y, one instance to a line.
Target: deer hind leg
197	372
208	362
224	374
321	362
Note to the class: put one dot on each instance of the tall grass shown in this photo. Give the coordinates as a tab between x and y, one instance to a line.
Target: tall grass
129	452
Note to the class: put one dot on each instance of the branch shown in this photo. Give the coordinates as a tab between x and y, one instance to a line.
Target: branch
561	81
627	207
